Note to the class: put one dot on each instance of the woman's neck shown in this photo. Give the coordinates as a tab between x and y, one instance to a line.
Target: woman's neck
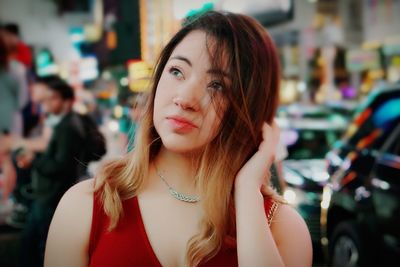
178	170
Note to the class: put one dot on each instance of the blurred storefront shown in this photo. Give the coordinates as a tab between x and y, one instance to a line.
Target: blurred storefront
340	49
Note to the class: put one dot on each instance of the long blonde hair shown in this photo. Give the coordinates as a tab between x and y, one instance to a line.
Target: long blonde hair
252	99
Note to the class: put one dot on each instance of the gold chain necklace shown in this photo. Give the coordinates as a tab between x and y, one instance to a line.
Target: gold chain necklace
176	194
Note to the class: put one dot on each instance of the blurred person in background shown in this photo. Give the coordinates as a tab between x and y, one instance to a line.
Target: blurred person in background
195	189
37	142
9	106
19	50
21	63
53	172
13	90
39	136
19	71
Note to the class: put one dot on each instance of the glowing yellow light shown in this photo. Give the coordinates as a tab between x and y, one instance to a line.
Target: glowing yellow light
290	196
118	112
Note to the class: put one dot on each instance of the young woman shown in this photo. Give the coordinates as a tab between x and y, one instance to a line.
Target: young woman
194	191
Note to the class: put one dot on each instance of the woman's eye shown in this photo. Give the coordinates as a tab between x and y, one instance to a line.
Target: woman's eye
216	86
176	72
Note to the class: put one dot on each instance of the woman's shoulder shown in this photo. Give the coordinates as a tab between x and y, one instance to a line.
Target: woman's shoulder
70	228
83	190
77	200
85	185
285	212
291	236
281	215
287	222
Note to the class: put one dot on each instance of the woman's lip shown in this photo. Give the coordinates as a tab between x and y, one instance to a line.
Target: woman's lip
182	121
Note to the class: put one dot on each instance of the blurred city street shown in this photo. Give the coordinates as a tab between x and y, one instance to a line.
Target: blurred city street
76	76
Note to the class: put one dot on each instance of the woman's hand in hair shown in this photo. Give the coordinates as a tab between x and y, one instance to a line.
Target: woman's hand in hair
255	173
255	242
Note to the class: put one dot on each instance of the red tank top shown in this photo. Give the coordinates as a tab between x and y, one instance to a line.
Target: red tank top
128	245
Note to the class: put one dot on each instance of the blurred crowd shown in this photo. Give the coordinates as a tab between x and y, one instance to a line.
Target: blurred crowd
50	132
15	61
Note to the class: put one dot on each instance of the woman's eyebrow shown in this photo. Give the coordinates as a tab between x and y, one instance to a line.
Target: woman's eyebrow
182	58
218	72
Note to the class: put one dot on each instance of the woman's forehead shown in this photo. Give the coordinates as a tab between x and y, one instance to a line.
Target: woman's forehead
199	48
192	47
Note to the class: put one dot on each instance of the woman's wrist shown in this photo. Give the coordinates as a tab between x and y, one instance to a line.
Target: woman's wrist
247	186
247	190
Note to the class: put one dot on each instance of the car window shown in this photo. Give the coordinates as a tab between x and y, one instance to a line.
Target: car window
310	143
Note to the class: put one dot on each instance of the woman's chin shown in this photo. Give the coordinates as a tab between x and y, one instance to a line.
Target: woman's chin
181	148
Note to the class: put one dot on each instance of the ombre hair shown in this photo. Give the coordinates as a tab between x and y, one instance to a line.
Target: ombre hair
241	47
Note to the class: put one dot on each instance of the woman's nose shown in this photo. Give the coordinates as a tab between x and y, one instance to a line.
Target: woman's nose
185	103
189	96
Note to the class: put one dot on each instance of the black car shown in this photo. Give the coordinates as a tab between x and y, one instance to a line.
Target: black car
360	216
307	141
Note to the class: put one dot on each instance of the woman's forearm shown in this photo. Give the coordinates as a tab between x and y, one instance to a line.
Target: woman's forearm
255	243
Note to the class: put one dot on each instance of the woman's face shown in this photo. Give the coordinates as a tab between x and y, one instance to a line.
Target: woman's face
189	103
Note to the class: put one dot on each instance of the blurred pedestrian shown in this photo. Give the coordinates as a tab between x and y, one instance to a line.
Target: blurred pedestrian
194	190
53	172
9	91
9	106
19	50
19	179
19	73
39	138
